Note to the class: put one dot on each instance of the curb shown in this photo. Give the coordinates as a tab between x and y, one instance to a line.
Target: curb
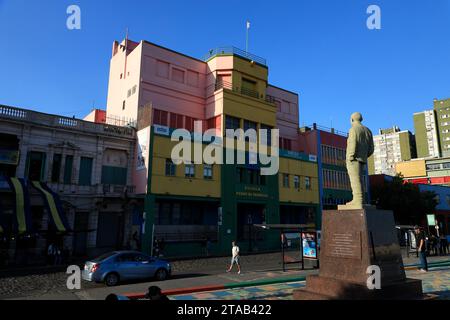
172	292
254	283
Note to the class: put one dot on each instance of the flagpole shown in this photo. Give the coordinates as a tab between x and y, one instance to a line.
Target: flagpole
246	36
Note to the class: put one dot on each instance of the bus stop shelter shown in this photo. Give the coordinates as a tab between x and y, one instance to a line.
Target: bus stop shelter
298	242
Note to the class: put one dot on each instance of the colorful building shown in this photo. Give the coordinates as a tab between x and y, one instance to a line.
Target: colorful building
65	181
442	110
426	134
188	204
391	146
435	171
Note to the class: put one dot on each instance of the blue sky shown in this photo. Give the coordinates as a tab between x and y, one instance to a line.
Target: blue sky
320	49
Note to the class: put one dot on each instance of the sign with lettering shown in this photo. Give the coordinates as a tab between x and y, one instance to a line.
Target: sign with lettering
162	130
345	245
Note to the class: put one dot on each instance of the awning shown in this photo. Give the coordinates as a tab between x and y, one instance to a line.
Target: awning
53	204
22	204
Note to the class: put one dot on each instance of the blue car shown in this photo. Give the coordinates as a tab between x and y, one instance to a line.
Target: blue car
114	267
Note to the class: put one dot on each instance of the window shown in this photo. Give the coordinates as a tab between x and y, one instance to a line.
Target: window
123	105
170	168
160	117
192	78
176	121
162	69
114	175
249	125
189	124
56	168
232	123
133	90
68	170
189	170
297	182
307	183
266	140
240	175
36	166
207	171
285	180
85	176
178	75
129	93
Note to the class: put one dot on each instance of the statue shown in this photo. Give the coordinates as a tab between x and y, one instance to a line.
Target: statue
359	148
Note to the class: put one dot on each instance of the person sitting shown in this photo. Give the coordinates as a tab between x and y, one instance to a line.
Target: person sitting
154	293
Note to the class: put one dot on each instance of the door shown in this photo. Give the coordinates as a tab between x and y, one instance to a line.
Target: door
109	230
80	233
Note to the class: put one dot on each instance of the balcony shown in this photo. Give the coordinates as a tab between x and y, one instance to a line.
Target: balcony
56	121
244	91
234	51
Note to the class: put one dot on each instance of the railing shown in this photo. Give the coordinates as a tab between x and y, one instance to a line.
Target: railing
250	92
314	126
220	84
270	99
234	51
7	112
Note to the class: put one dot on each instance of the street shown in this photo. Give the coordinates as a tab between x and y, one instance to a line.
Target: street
261	278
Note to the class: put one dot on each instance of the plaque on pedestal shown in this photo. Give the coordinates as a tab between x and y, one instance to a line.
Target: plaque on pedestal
353	240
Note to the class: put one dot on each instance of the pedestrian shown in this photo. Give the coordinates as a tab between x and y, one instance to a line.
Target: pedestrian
162	244
443	244
156	248
421	248
234	257
51	254
208	246
58	255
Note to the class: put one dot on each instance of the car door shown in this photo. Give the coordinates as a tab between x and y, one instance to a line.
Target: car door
146	266
126	265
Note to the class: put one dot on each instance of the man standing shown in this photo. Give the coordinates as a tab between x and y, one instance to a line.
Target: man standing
421	248
234	257
359	148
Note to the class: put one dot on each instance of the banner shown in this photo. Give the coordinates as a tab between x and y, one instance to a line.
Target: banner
309	245
53	205
22	204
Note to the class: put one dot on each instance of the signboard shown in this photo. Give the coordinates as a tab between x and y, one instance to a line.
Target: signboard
412	240
162	130
431	219
142	152
309	245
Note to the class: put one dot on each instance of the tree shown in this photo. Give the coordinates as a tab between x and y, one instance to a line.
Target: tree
409	205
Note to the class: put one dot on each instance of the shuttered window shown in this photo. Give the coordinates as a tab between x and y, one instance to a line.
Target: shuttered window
114	175
85	171
68	170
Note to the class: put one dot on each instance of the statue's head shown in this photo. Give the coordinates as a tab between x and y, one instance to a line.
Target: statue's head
356	117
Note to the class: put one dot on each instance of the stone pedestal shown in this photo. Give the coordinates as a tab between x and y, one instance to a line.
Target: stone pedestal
351	241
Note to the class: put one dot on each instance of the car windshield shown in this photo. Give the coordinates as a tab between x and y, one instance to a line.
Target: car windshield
104	256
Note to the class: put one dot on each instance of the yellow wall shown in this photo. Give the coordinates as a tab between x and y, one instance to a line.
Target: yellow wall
302	169
414	168
243	68
244	107
179	184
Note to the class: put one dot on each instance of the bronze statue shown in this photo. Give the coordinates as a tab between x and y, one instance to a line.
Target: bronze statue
359	148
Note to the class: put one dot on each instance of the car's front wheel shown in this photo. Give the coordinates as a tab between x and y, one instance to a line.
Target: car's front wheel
112	279
161	274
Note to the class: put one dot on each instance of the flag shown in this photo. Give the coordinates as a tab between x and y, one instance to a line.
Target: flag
248	24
